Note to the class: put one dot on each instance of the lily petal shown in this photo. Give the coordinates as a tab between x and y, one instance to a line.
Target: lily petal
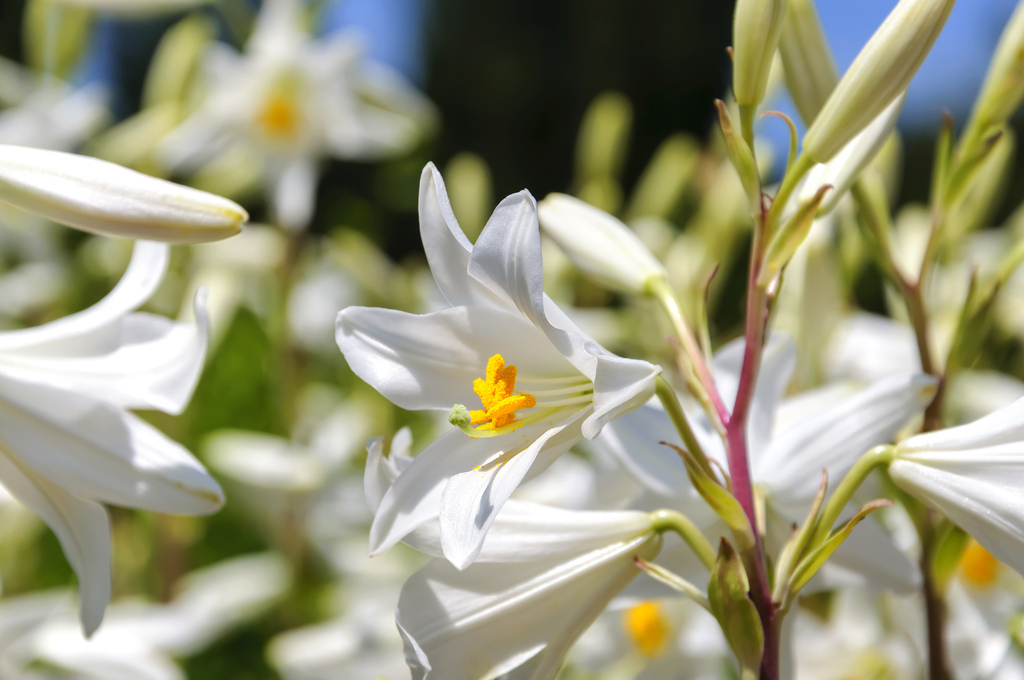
81	527
100	452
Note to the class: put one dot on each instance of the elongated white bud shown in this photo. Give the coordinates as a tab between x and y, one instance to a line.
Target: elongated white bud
600	245
811	72
757	26
882	70
104	198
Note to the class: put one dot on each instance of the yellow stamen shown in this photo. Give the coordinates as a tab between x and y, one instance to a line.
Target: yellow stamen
497	393
648	627
280	117
978	567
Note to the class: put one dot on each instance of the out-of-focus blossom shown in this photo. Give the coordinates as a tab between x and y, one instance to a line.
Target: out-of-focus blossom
290	100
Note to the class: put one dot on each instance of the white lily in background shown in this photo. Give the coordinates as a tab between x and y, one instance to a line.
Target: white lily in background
67	441
790	441
139	639
47	113
291	100
544	383
973	474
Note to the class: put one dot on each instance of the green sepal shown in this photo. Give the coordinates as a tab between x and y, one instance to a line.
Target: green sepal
943	158
810	565
736	614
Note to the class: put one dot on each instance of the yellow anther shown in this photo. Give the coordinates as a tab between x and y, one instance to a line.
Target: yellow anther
978	567
648	627
497	393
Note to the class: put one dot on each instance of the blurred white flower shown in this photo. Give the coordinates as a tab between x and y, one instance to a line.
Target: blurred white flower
291	100
568	386
68	443
138	639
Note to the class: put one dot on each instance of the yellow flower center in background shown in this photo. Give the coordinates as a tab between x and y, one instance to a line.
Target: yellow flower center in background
497	392
280	117
648	628
978	567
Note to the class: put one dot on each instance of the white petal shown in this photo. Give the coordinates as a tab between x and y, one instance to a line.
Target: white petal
447	247
155	362
472	499
979	491
105	198
100	452
429	361
81	527
494	618
1004	426
620	385
94	326
294	193
833	439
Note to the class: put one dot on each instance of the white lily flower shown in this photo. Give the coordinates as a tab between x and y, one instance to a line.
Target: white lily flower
68	443
973	474
599	244
542	577
789	443
502	326
104	198
290	100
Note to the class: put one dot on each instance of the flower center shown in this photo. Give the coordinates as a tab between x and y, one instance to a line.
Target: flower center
280	118
978	567
497	392
648	628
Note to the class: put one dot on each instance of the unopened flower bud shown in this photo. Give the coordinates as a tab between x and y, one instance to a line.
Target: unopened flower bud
1003	89
104	198
599	244
810	70
756	29
882	70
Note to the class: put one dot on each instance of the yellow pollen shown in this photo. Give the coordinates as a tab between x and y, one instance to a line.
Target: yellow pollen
648	628
978	567
497	392
280	117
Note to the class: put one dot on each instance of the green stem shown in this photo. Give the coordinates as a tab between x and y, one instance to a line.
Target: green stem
670	520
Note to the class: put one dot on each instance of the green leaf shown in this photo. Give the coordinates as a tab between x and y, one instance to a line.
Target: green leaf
810	565
732	607
719	499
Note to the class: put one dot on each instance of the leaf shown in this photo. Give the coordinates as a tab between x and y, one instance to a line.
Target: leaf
813	562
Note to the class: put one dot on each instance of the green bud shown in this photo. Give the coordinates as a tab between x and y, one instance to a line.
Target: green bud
468	179
176	59
1003	90
663	181
603	137
811	72
757	26
736	614
882	70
